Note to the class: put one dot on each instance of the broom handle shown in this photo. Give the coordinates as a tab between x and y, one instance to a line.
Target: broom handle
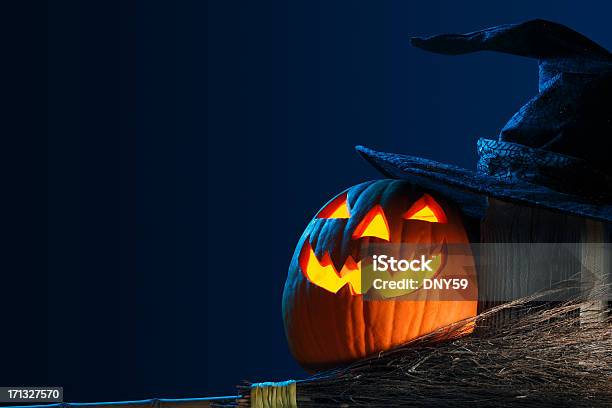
150	403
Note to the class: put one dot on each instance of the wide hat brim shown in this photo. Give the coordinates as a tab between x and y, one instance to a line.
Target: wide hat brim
469	188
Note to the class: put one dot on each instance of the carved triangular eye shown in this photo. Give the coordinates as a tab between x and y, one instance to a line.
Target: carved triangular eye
374	224
426	209
336	208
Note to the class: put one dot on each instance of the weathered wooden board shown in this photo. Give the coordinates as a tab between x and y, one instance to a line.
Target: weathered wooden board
506	270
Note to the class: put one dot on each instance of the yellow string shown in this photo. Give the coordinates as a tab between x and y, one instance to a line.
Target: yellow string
274	395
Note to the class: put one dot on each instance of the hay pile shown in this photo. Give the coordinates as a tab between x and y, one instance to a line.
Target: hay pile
543	355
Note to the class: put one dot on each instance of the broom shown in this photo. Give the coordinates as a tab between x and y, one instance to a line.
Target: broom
543	355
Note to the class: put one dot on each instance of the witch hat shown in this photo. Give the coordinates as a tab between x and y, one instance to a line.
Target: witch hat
555	151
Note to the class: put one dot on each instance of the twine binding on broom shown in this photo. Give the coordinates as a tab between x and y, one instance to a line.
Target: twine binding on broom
274	395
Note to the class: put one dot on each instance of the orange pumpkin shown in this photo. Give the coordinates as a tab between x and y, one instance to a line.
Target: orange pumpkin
330	317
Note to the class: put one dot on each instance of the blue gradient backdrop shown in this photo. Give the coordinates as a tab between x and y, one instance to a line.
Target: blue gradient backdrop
190	143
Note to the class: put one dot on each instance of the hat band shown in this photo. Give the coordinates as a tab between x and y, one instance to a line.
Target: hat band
511	163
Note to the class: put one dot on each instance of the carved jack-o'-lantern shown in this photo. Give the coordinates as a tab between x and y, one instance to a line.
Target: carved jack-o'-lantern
329	319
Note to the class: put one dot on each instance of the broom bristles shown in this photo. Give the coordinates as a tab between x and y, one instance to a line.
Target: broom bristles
545	355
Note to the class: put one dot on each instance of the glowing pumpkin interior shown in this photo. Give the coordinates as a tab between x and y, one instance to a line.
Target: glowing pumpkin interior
322	272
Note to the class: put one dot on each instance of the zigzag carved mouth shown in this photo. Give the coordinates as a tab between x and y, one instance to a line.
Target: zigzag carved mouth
324	274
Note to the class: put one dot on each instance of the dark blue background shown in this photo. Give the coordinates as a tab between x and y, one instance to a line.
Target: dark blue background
188	146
